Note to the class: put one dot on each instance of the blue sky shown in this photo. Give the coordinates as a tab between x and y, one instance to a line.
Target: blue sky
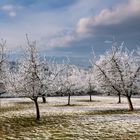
70	27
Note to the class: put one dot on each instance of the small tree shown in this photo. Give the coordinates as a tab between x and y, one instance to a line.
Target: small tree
52	72
70	81
90	88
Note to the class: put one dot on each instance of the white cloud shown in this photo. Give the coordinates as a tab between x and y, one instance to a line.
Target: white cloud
7	7
60	41
12	14
109	17
10	9
47	26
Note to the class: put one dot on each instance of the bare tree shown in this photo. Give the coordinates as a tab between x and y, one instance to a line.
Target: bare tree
90	84
3	66
28	81
117	72
70	82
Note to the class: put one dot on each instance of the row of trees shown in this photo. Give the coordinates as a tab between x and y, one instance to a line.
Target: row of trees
115	72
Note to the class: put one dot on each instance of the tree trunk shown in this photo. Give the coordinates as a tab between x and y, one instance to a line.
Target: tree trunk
37	109
119	95
43	99
90	96
69	99
130	103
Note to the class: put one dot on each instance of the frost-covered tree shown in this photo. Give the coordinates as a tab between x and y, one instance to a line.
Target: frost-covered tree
90	84
45	69
117	72
3	66
28	80
70	81
52	72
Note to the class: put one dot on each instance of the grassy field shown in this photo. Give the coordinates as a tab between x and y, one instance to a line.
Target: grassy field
101	119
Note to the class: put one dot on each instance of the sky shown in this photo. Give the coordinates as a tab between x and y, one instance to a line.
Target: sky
70	28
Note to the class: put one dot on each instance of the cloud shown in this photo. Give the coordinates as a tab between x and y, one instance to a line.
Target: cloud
121	21
12	14
53	28
107	17
71	27
7	7
10	9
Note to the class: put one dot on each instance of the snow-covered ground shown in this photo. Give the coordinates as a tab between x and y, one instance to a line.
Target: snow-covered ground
87	122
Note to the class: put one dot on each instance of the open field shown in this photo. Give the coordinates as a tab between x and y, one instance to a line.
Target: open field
101	119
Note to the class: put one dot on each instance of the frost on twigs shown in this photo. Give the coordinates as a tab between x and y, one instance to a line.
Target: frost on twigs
117	72
27	81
